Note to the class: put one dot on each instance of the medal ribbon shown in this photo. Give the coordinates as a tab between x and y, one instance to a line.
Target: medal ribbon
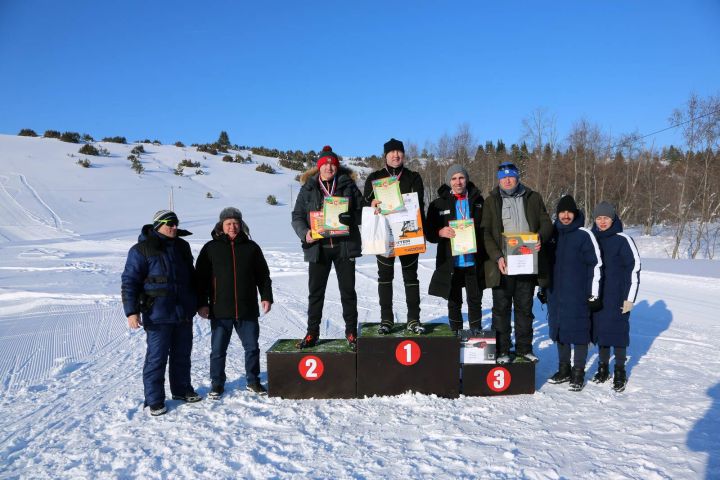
328	193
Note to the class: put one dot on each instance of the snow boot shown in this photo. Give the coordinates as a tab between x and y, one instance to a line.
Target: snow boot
562	375
603	373
528	357
351	338
385	327
216	392
157	410
619	379
503	359
414	327
308	341
577	379
256	387
189	397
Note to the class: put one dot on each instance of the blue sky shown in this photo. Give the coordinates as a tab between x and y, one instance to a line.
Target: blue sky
299	75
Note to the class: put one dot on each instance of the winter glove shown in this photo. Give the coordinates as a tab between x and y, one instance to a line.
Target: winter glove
595	304
542	296
627	306
346	218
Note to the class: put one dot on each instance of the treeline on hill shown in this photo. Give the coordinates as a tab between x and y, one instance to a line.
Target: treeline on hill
671	186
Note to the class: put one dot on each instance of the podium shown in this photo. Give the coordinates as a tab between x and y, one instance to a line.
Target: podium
400	362
489	379
327	370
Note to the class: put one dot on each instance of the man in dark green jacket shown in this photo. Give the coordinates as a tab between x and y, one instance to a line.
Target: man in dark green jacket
513	208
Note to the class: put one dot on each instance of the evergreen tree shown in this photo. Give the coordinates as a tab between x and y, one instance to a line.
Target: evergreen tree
224	139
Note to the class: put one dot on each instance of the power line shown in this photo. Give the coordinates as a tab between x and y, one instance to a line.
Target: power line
667	128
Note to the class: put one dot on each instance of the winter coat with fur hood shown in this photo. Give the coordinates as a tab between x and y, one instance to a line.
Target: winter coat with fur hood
310	198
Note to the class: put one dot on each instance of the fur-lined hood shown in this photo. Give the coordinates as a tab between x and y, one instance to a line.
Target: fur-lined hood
342	170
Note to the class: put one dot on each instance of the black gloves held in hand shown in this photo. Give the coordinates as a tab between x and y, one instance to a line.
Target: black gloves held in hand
595	304
542	296
346	218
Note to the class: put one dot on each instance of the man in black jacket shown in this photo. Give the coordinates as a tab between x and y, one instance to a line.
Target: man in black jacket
458	199
410	181
231	270
329	179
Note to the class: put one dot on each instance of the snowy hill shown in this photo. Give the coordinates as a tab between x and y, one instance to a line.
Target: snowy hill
70	370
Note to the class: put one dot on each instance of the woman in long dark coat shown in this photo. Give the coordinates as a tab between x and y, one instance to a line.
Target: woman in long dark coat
620	282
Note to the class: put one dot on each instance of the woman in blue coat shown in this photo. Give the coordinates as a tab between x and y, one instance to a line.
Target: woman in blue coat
574	291
620	282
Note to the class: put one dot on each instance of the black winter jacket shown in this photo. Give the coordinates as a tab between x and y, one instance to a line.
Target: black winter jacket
311	198
230	274
439	214
538	221
409	182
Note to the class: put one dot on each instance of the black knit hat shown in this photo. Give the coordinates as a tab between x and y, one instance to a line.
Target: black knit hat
161	217
392	145
567	204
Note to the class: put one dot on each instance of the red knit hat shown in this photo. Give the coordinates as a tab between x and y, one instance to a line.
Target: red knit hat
328	156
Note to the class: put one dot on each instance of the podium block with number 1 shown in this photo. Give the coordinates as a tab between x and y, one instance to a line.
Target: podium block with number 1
400	362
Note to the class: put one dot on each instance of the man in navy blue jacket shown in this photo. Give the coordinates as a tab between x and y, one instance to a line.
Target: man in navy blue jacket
158	292
574	291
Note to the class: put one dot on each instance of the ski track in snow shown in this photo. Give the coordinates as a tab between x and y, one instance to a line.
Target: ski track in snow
71	371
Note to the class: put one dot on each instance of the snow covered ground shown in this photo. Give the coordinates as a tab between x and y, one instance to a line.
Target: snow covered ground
70	369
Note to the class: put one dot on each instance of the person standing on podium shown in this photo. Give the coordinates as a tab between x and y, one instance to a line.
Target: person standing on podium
329	179
410	181
512	207
458	199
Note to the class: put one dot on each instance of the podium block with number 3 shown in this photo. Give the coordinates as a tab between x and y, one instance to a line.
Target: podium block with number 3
480	379
400	362
328	370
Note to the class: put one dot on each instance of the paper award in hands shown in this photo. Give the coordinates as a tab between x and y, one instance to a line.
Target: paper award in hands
332	208
464	241
387	192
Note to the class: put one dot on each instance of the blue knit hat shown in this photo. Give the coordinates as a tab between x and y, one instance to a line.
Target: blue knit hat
507	169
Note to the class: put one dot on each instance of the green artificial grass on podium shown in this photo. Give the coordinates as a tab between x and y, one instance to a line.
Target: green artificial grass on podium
398	330
330	345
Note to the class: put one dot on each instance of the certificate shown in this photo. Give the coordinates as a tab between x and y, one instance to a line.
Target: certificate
464	240
520	264
332	208
387	192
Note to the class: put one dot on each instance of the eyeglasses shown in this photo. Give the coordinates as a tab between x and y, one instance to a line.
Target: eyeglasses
170	223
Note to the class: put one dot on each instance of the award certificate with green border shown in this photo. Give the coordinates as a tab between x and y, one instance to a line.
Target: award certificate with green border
387	192
464	241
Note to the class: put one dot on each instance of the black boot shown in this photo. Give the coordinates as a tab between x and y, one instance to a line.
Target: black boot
562	375
603	373
619	379
577	379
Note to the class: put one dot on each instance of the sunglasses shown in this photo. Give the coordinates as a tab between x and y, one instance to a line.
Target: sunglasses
170	223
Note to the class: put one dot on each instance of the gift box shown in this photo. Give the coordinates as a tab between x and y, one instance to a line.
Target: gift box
520	251
477	347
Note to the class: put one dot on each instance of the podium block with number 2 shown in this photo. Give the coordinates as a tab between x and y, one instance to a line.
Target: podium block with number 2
400	362
328	370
